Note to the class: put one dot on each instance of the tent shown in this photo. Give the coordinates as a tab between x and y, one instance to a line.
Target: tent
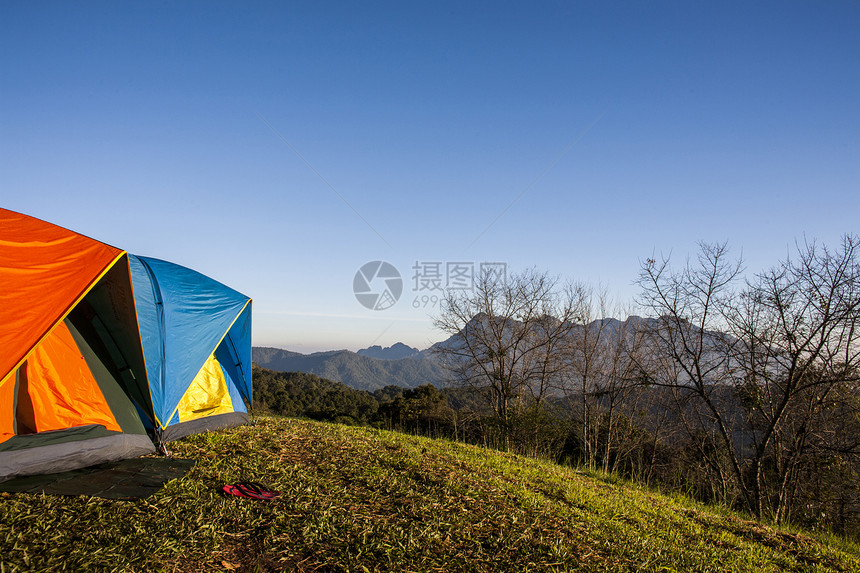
102	352
73	380
196	335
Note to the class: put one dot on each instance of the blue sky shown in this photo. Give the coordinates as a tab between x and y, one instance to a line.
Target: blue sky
594	135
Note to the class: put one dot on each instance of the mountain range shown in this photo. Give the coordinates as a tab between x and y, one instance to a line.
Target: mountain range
368	369
401	365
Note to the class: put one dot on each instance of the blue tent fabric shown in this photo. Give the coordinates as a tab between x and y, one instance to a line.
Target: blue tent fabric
185	316
234	354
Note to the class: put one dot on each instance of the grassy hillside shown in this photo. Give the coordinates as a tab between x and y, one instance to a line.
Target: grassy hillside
357	499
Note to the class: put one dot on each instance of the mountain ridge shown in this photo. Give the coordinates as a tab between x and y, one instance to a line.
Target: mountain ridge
393	352
401	365
355	370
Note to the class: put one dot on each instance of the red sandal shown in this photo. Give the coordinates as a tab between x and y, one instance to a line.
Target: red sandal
250	490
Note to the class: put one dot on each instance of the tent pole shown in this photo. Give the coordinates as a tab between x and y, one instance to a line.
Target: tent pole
161	446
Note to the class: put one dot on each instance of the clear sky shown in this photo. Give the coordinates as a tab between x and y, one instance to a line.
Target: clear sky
280	146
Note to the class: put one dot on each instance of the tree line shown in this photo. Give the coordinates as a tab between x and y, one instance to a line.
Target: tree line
737	389
732	388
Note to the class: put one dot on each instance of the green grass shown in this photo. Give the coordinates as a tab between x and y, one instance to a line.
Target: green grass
358	499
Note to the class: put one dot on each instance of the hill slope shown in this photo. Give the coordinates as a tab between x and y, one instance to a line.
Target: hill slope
366	500
354	370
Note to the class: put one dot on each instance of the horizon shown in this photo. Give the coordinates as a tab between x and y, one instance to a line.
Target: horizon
288	151
389	346
335	349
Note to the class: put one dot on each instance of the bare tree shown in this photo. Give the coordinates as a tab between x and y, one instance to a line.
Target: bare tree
752	365
623	347
693	357
601	369
584	362
798	340
507	336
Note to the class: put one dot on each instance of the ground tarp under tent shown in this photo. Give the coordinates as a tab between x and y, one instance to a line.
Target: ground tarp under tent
124	479
73	383
196	335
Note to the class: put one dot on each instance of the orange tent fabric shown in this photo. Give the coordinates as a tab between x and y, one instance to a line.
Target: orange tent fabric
7	415
61	391
73	381
44	271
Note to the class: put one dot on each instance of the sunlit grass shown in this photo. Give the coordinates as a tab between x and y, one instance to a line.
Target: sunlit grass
359	499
